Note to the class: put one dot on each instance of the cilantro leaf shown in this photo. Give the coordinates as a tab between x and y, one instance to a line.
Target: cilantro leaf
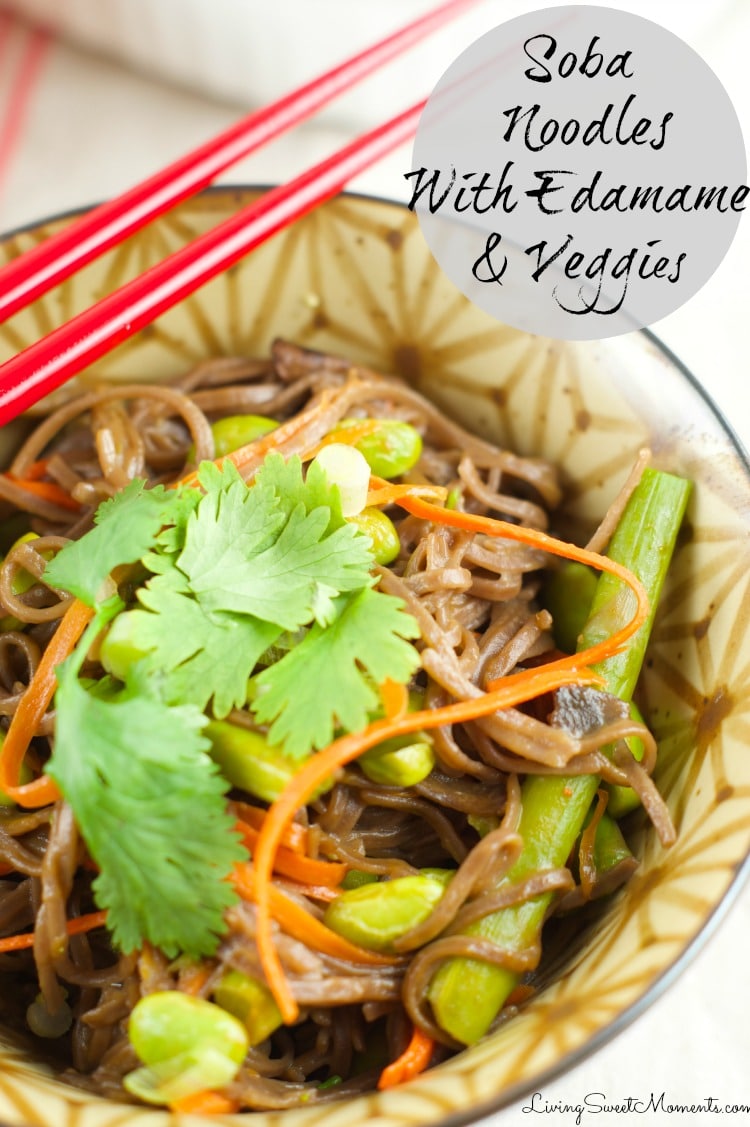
198	655
125	528
313	490
253	552
150	805
326	681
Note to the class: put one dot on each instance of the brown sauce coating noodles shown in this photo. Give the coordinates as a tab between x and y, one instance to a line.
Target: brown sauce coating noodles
475	602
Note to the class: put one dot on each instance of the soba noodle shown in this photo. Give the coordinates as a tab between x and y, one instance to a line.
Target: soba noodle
476	604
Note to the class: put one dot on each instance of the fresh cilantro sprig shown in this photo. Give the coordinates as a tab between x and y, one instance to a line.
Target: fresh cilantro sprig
327	680
149	802
232	569
268	551
125	527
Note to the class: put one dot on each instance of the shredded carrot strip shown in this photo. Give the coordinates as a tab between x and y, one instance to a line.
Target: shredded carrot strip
347	436
206	1103
302	926
503	693
414	1059
275	438
33	471
516	688
194	978
295	835
471	522
314	891
520	993
47	490
306	870
32	707
395	698
384	493
73	927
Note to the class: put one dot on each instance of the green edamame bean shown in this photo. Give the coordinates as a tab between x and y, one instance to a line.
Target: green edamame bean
23	581
251	1002
382	532
118	651
375	915
180	1076
391	450
167	1023
234	431
187	1045
247	761
402	761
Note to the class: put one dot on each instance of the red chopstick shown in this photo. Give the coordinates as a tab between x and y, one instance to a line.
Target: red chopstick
45	265
43	366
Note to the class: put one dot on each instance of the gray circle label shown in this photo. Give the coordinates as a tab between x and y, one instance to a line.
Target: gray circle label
579	172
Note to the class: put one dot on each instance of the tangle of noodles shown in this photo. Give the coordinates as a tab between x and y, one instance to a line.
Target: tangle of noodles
475	601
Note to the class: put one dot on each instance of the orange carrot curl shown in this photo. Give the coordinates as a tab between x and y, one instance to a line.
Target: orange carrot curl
502	694
297	866
395	698
47	490
302	926
32	707
514	690
414	1059
76	926
206	1103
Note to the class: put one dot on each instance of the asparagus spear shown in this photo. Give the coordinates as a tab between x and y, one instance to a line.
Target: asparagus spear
467	994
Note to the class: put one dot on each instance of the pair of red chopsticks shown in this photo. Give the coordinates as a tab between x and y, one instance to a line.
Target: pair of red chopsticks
43	366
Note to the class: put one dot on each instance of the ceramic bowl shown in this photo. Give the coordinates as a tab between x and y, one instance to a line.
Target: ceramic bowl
355	277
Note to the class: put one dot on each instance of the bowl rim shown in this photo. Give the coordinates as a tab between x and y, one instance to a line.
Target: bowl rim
571	1059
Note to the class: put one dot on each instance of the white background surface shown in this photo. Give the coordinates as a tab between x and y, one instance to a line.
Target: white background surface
91	127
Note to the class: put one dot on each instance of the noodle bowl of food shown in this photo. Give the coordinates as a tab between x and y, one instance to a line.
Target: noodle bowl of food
345	764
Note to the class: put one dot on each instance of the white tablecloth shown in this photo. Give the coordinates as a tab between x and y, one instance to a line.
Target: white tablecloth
77	126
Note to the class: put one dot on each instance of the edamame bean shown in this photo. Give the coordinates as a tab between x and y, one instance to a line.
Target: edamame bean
375	915
118	651
390	450
251	1002
169	1022
382	532
247	761
346	467
187	1044
22	580
402	761
234	431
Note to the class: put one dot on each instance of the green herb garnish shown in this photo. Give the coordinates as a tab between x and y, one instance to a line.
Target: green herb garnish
229	570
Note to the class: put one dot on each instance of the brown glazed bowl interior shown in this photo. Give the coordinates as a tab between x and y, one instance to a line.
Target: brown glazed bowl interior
355	277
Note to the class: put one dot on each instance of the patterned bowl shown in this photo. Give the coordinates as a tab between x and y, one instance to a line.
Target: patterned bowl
356	277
